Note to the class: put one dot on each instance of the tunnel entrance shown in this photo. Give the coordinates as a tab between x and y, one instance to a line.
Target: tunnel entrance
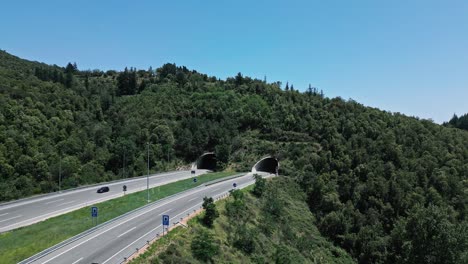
268	164
207	161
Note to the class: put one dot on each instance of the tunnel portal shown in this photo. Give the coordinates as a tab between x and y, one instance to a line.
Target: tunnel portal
268	164
207	161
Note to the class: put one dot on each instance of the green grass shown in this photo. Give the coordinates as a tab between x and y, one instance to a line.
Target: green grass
24	242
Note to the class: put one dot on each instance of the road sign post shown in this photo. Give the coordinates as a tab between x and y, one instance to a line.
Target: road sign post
194	180
124	189
165	221
94	214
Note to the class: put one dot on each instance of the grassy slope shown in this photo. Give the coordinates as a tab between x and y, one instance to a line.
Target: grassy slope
294	237
24	242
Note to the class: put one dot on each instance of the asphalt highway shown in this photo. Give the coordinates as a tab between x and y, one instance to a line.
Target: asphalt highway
29	211
119	239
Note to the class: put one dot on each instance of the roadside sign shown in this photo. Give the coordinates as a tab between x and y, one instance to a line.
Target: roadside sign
234	185
165	220
194	179
94	211
125	188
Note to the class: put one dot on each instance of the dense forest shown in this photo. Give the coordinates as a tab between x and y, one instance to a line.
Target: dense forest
385	187
458	122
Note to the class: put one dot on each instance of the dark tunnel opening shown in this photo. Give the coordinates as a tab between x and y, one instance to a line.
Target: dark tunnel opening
269	164
207	161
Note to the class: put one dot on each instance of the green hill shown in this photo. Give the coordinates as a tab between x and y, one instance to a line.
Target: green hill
385	187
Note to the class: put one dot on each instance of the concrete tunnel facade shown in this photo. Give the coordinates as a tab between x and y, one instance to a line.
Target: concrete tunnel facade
207	161
268	164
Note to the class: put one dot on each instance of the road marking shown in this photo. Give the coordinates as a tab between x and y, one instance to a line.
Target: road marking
193	199
55	201
85	189
216	189
167	211
117	225
66	203
11	218
4	214
126	231
77	261
131	244
152	230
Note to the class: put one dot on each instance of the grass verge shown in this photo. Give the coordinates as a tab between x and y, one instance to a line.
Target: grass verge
24	242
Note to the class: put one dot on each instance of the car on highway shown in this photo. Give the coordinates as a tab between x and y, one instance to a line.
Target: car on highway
103	189
193	171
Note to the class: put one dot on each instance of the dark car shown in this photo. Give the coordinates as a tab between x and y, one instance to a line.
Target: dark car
193	171
103	189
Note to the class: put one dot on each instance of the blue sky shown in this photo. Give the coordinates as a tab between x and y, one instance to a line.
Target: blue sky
401	56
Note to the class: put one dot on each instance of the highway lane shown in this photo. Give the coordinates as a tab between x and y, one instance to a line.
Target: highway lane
119	239
29	211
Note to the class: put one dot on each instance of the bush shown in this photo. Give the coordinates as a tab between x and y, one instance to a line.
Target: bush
204	247
259	187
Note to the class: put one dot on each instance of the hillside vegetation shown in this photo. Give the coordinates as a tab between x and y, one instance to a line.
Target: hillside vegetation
385	187
273	226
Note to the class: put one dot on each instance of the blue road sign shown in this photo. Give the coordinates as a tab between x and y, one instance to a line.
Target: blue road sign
194	179
234	185
94	211
165	220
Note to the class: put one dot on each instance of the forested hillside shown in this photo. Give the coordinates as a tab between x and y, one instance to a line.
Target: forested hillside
385	187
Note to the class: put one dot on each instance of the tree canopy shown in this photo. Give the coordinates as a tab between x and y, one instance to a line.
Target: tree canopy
369	176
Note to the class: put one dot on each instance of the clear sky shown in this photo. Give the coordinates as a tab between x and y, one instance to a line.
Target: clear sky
401	56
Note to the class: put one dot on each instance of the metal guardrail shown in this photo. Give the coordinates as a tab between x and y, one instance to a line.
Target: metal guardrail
226	178
93	229
184	215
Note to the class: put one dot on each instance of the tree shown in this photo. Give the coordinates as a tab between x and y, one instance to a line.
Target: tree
428	235
260	185
204	247
211	213
236	209
127	82
70	69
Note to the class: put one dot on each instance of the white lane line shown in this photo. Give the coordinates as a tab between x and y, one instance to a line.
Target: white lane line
4	214
167	211
85	189
55	201
131	244
193	199
216	189
74	207
126	231
77	261
11	218
66	203
152	230
117	225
